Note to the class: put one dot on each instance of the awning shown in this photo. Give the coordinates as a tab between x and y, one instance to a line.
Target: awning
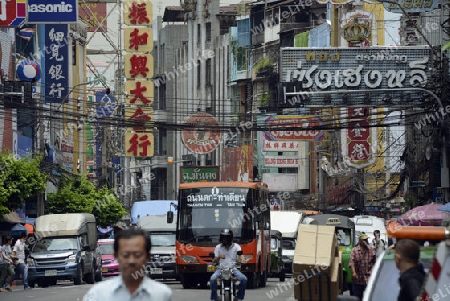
17	230
12	218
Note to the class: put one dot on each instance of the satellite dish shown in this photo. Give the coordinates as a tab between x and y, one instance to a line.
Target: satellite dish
428	152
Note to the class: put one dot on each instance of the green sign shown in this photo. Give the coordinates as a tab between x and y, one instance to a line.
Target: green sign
199	173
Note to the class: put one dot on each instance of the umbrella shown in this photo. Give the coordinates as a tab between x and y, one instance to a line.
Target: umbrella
445	208
427	215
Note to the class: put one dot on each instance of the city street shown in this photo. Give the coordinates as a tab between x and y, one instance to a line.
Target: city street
66	291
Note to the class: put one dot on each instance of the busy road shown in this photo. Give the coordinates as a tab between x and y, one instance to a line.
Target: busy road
67	291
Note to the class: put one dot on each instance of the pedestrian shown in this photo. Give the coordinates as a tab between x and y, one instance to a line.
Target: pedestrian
132	252
19	253
378	243
362	260
412	273
6	265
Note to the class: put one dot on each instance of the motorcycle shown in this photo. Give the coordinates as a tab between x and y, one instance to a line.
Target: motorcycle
227	283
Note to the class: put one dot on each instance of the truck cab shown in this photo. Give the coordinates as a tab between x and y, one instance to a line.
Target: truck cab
66	248
162	234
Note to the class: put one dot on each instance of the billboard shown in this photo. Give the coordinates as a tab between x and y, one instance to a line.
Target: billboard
52	11
201	134
375	76
94	16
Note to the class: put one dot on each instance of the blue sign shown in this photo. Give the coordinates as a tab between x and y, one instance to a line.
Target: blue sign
52	11
56	62
106	104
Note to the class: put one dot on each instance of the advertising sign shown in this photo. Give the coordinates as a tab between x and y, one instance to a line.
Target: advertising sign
201	134
280	161
410	6
94	16
286	127
199	174
52	11
106	104
12	13
56	62
375	76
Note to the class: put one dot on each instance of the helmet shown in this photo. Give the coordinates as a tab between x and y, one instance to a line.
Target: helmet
226	236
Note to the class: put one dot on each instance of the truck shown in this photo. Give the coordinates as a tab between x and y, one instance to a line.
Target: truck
65	248
287	223
368	224
162	234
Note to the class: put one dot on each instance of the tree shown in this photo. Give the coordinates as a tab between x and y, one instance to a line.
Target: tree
78	194
20	179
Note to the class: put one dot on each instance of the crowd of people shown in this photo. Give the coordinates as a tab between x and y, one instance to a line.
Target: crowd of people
407	252
13	262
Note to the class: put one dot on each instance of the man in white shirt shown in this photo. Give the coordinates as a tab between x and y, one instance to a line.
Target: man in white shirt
132	251
226	254
19	252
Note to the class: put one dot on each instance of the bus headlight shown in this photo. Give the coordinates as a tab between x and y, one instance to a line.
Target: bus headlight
247	258
188	259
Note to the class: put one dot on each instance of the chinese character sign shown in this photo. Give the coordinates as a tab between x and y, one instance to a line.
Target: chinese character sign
139	144
359	139
56	62
138	66
138	12
138	39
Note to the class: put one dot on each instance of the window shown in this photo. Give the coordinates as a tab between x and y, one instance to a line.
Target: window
208	31
208	72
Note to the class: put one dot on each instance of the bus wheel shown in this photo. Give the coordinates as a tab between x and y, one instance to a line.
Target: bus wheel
263	279
187	283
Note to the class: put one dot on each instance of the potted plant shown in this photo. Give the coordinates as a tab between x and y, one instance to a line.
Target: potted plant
264	100
264	67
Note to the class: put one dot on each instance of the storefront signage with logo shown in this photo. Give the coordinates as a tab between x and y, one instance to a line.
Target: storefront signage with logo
199	174
293	128
201	134
52	11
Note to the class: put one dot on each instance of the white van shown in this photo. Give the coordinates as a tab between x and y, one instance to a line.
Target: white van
368	224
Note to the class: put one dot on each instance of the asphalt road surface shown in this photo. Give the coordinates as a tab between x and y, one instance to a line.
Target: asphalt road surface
66	291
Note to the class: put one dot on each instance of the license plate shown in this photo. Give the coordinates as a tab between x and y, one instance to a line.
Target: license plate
211	268
104	270
50	273
156	271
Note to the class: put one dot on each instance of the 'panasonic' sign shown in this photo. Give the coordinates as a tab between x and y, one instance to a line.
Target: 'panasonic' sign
52	11
50	8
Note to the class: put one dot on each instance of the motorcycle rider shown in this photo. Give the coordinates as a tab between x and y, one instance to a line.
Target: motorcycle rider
226	253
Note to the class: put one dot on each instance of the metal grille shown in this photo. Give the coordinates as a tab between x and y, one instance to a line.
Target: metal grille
355	76
50	261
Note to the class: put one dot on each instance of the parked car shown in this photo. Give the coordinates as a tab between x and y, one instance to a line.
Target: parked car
110	267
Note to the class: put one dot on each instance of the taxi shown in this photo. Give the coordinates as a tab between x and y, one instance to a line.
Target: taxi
110	267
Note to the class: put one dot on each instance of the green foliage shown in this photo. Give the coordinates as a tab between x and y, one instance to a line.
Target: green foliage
78	194
20	179
446	46
263	63
264	99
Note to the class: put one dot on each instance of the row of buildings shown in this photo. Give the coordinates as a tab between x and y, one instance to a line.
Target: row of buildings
303	95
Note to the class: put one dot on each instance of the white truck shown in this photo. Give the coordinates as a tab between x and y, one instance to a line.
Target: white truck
368	224
66	248
162	234
287	223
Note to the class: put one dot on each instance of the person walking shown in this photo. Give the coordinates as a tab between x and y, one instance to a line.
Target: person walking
6	265
132	251
378	243
412	273
362	260
21	267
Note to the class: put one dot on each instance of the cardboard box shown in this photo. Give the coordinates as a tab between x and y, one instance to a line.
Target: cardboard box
316	246
315	288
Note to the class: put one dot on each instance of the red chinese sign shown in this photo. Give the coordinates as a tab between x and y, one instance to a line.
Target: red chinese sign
138	12
140	144
202	133
359	147
138	39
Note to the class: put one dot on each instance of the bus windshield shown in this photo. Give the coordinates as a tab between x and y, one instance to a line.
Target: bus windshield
204	212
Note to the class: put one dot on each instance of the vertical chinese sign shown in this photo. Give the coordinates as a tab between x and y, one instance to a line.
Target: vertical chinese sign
139	115
56	62
359	139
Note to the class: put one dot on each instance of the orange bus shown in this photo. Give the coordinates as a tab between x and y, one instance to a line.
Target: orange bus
204	209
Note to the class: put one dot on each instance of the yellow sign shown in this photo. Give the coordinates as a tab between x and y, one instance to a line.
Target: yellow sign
138	13
139	66
139	92
138	39
139	144
333	221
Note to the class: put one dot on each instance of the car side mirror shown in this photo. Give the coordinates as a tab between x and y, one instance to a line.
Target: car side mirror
87	248
169	217
239	253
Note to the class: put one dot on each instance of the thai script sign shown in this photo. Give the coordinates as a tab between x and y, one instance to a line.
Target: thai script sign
287	127
307	71
411	6
202	133
199	173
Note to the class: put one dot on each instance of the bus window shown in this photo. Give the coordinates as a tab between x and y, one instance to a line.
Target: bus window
344	236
